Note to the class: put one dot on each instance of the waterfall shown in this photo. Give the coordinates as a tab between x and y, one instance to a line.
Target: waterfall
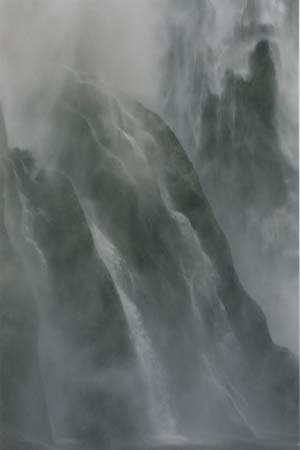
163	421
218	56
160	412
148	224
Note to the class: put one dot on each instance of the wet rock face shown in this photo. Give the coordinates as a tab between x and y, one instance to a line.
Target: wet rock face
23	406
279	387
85	310
119	170
225	96
253	160
22	398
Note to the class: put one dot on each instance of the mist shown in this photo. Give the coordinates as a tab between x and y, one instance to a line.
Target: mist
204	42
113	42
149	224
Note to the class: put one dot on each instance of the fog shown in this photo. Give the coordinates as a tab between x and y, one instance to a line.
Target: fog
149	235
204	41
114	42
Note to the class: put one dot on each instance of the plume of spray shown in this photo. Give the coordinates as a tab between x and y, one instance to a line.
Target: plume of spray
203	42
112	41
41	44
115	42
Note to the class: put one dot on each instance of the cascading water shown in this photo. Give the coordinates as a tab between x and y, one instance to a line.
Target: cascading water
160	413
128	318
230	93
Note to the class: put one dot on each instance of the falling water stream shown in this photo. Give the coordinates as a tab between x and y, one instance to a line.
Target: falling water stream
160	413
148	223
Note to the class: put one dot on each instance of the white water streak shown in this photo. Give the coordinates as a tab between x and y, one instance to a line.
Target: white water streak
160	413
